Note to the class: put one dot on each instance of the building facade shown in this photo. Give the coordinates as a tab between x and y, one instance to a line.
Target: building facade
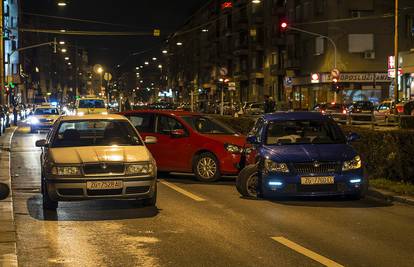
242	41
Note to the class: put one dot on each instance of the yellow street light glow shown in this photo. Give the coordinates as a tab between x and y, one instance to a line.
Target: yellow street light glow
64	50
164	51
69	63
100	70
61	4
62	30
146	62
62	42
160	66
179	43
154	58
66	58
256	1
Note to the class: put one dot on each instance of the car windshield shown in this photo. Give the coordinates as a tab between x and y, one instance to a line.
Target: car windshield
206	125
304	132
363	105
91	103
46	111
95	133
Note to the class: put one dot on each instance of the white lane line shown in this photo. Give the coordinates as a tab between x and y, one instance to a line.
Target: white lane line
182	191
304	251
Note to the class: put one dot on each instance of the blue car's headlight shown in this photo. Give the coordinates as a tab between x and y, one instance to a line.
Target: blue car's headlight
34	120
352	164
271	166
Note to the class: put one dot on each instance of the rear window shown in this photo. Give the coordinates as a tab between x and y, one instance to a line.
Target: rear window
95	133
46	111
91	103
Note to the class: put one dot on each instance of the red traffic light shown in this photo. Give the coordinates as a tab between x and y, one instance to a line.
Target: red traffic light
284	25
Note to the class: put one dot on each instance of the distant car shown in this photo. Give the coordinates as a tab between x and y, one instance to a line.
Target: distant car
96	157
190	142
43	118
362	110
90	105
331	108
302	154
254	109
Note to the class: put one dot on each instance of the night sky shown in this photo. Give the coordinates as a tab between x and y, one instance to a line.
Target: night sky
137	15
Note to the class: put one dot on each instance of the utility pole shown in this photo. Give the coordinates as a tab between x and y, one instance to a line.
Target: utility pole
396	59
1	56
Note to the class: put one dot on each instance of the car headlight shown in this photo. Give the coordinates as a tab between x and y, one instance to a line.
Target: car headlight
66	171
234	149
34	120
81	113
271	166
352	164
140	169
104	113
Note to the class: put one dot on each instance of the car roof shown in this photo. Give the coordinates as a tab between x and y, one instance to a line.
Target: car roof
295	115
164	112
94	117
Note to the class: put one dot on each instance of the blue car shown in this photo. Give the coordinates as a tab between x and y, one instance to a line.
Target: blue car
301	154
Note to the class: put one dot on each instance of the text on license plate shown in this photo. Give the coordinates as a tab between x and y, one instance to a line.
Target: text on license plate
317	180
102	185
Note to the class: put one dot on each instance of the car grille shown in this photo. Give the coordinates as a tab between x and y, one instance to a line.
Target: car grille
103	168
137	189
312	168
110	192
71	192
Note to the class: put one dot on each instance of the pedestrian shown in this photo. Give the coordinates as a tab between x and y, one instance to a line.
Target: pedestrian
267	107
272	104
127	105
15	115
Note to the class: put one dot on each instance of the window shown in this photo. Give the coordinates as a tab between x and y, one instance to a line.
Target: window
166	125
95	133
206	125
144	123
46	111
91	103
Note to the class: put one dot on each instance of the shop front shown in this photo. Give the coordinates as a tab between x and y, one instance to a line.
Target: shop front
306	93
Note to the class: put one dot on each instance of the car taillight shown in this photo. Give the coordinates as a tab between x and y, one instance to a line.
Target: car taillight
400	109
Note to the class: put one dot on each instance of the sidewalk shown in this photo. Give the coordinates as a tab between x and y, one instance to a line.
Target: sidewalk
8	250
389	196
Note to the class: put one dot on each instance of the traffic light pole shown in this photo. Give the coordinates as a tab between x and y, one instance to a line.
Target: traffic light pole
325	37
318	35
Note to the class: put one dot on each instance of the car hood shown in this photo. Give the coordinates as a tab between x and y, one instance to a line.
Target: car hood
80	155
309	152
92	110
46	116
235	139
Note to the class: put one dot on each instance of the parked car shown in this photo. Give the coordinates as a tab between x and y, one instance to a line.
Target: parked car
362	110
190	142
331	108
96	157
302	154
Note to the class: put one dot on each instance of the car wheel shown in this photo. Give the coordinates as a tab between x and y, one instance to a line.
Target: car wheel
151	202
206	167
48	203
246	182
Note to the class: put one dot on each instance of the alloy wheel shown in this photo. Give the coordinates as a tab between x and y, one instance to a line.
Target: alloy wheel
207	167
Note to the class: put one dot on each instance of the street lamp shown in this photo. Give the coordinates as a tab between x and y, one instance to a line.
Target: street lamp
61	3
154	58
256	1
164	51
61	42
146	63
179	43
64	50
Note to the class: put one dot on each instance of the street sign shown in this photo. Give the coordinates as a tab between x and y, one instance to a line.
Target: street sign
223	71
335	73
107	76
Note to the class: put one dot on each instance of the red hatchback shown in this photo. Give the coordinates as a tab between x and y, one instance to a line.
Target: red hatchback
190	142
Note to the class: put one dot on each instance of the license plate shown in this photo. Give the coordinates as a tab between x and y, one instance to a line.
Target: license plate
102	185
317	180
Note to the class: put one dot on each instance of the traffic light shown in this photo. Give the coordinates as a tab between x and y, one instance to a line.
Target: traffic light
283	25
335	85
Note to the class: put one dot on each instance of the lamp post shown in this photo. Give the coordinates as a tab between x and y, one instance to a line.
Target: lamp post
396	59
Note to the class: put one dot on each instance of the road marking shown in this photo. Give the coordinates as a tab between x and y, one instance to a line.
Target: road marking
304	251
182	191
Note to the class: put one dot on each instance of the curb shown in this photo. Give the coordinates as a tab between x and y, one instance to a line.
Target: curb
389	196
8	246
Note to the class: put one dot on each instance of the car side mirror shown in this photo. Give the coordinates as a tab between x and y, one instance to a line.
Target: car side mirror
41	143
177	133
251	139
150	140
4	191
352	137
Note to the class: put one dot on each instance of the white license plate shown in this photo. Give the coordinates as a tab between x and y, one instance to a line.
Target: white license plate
317	180
102	185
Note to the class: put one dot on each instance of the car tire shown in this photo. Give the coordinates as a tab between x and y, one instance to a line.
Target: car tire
151	202
206	167
246	182
47	202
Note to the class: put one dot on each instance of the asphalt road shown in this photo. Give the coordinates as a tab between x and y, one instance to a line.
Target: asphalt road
203	225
